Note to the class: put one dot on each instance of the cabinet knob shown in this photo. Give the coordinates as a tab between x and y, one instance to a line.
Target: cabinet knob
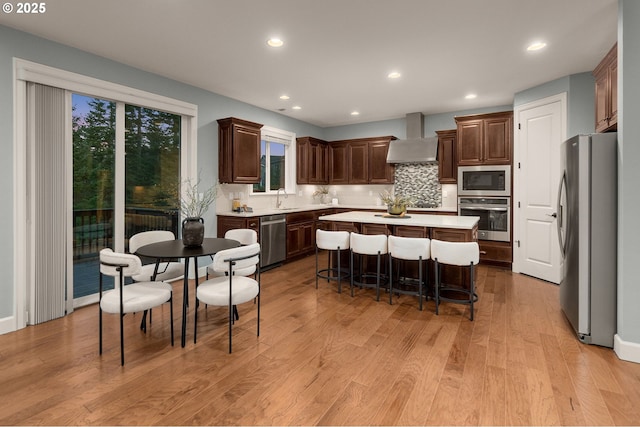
483	252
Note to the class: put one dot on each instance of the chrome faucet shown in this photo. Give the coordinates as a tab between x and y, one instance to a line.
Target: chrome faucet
278	201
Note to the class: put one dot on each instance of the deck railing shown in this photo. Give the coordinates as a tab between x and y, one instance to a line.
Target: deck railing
93	228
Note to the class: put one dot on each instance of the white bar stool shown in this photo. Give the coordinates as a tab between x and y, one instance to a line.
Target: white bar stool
365	244
463	254
332	241
409	249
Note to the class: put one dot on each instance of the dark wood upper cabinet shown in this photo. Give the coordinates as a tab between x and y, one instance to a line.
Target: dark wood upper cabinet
302	161
360	161
485	139
447	164
312	165
380	172
339	163
238	151
606	75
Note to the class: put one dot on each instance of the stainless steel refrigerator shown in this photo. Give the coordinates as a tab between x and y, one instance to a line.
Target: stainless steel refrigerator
587	230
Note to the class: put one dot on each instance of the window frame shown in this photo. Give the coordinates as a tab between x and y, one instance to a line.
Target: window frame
288	139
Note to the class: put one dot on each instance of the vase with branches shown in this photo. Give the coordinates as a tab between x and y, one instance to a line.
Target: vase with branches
193	204
322	192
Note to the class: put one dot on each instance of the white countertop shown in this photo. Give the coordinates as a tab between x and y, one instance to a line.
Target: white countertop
411	219
316	207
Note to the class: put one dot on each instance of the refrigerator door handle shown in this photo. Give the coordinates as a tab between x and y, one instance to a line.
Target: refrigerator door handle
559	222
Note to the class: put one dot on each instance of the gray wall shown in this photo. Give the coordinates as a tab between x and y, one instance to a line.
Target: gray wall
629	172
580	100
398	127
211	107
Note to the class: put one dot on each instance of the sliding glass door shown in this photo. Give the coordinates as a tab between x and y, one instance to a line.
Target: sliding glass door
147	180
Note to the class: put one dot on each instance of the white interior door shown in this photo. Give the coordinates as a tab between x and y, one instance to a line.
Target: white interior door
540	130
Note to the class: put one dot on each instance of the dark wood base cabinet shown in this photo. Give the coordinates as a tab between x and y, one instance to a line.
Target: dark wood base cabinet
226	223
496	253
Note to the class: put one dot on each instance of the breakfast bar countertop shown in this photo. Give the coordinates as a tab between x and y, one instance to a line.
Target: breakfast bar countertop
411	219
316	207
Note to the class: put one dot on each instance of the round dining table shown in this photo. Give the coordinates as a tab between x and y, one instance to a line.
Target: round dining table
174	250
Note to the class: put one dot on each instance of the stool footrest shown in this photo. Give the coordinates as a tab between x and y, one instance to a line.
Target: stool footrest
463	292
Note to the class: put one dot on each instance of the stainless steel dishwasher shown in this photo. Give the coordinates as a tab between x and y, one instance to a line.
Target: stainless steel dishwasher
273	240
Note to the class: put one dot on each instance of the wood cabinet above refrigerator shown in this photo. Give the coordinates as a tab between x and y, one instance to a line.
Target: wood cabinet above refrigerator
606	75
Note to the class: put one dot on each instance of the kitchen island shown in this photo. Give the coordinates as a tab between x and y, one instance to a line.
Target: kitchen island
442	227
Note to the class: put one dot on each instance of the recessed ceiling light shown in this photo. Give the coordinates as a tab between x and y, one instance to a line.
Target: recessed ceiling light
536	46
394	75
297	107
284	97
471	96
355	113
275	42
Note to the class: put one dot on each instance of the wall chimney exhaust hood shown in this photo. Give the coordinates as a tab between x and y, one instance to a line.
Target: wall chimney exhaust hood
416	148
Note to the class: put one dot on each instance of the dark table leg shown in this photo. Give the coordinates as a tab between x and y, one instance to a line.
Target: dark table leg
185	300
143	323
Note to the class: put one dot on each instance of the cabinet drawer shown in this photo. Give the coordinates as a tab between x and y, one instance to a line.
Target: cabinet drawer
296	217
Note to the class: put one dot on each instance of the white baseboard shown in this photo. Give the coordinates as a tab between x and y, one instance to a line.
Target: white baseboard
626	350
7	324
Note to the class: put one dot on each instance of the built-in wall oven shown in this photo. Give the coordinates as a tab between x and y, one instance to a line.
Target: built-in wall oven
494	213
484	181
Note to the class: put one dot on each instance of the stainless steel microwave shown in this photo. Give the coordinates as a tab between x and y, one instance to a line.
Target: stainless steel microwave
485	180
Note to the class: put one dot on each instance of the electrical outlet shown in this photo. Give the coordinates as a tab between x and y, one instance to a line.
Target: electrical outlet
370	193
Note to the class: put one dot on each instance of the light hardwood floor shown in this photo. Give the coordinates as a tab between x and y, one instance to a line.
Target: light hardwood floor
324	358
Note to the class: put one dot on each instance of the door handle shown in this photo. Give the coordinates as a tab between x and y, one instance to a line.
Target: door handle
555	215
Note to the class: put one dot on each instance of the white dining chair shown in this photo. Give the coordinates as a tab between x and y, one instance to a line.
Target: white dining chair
135	297
231	289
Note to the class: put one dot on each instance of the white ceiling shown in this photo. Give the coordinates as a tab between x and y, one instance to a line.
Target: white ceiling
337	53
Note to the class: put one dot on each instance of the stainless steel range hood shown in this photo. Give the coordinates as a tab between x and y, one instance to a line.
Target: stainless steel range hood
416	148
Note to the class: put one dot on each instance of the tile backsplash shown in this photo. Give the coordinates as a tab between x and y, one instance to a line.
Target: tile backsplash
420	182
417	180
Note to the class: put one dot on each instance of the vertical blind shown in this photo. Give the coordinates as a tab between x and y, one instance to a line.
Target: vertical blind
46	151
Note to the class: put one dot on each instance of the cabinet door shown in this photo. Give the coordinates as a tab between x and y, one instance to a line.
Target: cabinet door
499	253
358	163
380	172
602	116
447	165
338	163
613	95
246	155
323	162
226	223
469	142
497	140
302	161
300	239
606	105
317	163
238	151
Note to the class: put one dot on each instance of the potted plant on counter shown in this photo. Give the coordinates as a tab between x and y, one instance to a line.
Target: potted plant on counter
322	193
193	204
396	204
